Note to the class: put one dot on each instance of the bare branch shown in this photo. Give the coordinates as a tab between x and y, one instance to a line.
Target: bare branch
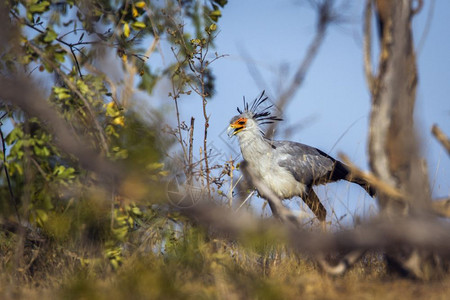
368	69
8	179
441	137
441	207
190	150
324	19
373	180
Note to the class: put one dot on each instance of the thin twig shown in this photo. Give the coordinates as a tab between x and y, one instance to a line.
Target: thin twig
71	46
200	89
201	167
39	168
8	179
76	62
230	163
205	131
190	150
367	43
246	199
180	136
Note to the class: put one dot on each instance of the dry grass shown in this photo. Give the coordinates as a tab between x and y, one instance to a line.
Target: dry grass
197	266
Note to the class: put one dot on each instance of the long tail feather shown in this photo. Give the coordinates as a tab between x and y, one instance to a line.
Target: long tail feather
341	171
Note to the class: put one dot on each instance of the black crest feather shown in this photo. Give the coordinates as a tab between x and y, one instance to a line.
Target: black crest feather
263	116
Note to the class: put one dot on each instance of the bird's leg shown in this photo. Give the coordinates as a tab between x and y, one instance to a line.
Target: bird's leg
316	206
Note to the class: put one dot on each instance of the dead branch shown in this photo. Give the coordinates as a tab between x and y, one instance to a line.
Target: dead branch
441	207
368	69
373	180
325	17
441	137
423	233
190	151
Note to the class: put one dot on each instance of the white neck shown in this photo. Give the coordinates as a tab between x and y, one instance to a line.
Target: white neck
253	145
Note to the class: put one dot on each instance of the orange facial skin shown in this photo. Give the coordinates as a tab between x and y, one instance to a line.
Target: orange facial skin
238	125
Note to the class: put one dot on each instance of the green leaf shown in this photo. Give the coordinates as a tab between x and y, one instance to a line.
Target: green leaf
60	55
64	173
126	30
14	135
84	89
58	89
50	36
138	25
215	15
136	210
62	93
111	111
41	217
39	7
63	96
213	27
111	131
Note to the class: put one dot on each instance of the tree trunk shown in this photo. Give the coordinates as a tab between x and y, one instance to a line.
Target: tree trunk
393	145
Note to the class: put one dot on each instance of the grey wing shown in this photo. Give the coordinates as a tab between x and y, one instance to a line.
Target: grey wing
308	165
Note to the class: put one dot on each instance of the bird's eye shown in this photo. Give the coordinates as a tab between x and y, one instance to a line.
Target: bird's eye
241	122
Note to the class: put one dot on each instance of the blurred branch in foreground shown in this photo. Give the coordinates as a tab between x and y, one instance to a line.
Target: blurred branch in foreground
326	15
423	233
31	102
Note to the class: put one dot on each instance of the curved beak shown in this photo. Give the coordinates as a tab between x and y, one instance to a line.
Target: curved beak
231	130
236	127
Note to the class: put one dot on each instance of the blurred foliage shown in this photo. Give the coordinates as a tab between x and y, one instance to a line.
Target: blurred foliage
67	211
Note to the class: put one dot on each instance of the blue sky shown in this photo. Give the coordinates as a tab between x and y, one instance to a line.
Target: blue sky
332	106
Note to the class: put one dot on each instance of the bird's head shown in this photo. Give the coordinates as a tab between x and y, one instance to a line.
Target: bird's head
251	117
241	123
